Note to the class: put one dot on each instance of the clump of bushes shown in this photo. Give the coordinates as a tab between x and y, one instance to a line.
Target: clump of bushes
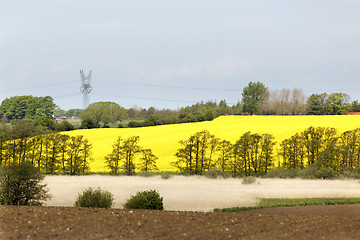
145	200
95	198
249	180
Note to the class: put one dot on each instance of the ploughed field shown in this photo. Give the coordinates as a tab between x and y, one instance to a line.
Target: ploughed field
163	140
310	222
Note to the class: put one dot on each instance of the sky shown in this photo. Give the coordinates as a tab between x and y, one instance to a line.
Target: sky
170	54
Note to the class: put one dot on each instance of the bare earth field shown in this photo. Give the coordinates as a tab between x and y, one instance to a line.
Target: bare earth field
320	222
181	194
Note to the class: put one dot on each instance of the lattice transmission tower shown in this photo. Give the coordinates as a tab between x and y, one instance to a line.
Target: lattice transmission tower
85	87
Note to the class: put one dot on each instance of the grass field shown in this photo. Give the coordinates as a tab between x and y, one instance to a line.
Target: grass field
163	140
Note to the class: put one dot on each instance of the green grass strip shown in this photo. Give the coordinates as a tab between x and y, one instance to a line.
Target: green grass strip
291	202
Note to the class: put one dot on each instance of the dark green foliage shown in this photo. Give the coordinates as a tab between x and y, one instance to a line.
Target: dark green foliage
95	198
88	123
29	107
46	122
20	184
64	126
133	124
326	173
145	200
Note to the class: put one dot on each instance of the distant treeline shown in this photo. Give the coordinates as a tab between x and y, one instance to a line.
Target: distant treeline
255	98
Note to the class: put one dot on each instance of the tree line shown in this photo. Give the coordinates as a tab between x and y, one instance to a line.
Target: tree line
255	154
252	154
51	153
322	147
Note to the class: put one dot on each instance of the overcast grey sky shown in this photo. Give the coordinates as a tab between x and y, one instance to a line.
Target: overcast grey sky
170	54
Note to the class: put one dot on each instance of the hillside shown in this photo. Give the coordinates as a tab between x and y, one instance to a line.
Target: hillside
163	140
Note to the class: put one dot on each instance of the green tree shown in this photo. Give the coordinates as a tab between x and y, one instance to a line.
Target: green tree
21	185
130	149
317	104
195	154
104	112
113	159
253	96
148	161
338	103
30	107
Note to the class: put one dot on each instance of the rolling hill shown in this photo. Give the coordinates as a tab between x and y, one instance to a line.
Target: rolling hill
163	140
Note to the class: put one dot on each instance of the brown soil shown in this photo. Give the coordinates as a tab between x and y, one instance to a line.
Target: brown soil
311	222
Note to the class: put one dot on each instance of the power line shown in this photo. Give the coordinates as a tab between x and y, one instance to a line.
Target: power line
40	86
176	87
144	98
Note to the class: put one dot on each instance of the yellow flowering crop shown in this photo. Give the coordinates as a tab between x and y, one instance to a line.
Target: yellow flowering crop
163	140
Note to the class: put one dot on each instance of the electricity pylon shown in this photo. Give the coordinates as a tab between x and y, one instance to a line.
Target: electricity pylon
85	87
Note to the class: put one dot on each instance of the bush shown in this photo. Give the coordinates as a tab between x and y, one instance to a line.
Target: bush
213	173
95	198
248	180
20	185
309	172
145	200
280	172
326	173
88	123
166	175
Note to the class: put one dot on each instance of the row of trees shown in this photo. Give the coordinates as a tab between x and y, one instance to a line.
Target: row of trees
251	154
254	154
322	147
124	157
52	153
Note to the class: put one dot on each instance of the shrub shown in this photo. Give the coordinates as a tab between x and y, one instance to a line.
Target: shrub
145	200
280	172
213	173
166	175
248	180
326	173
95	198
20	184
309	172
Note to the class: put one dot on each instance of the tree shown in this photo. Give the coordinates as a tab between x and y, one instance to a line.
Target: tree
253	96
195	154
148	161
30	107
73	112
104	112
114	158
21	185
284	102
338	103
317	104
130	149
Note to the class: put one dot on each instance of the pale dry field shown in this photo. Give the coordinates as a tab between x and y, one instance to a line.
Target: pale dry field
197	193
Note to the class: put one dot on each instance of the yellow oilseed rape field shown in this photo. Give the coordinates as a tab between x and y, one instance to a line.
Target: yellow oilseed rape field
163	140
